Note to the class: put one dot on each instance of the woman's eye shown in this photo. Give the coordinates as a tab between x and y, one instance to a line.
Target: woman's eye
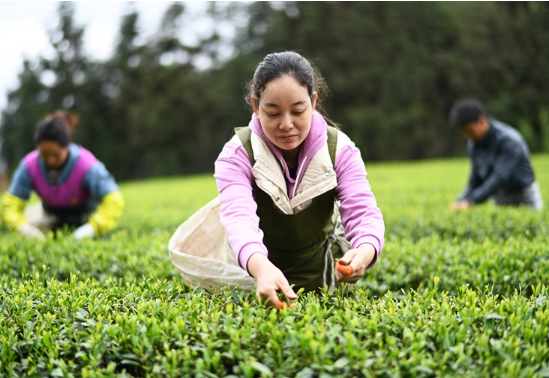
299	112
272	115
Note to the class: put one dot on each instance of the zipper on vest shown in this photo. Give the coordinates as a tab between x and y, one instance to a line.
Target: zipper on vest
297	176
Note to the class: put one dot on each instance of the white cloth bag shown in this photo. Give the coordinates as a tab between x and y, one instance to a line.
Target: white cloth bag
201	253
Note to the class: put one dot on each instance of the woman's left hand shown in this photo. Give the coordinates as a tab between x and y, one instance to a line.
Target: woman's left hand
358	259
84	231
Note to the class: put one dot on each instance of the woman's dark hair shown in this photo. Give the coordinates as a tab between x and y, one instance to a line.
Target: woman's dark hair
288	63
466	111
57	127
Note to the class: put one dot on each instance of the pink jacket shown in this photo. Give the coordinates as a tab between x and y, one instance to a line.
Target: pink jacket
361	218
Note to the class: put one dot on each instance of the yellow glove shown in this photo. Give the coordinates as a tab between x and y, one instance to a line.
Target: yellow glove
13	209
107	214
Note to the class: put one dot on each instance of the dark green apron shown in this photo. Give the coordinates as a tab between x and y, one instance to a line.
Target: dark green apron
302	245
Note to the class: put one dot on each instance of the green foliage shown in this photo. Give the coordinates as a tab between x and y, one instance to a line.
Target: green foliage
413	198
394	69
137	248
452	294
161	328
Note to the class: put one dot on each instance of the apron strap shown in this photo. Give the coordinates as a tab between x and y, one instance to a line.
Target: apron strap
332	142
245	135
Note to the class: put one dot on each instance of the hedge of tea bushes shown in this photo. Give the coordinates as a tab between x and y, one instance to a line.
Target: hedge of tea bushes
487	221
453	294
516	264
137	247
161	205
414	199
76	328
502	247
123	254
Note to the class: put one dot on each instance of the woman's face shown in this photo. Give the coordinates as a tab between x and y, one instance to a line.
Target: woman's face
53	154
475	130
285	112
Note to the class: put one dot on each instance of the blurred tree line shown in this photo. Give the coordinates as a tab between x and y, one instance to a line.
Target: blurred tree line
394	70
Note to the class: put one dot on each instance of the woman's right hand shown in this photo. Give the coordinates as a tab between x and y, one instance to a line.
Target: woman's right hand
460	205
31	231
270	281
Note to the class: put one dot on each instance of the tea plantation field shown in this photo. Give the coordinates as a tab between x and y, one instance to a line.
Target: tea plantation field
453	294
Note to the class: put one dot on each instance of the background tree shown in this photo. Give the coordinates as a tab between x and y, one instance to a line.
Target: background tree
44	86
161	107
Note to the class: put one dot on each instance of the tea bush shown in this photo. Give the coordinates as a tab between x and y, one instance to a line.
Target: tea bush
452	294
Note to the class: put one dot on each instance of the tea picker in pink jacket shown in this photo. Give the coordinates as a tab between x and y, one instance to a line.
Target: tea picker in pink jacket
75	188
290	185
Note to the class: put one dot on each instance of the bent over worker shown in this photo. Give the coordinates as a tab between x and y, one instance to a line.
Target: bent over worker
500	160
75	188
280	182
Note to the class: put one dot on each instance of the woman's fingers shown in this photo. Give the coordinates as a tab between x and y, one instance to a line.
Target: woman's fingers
344	268
348	264
271	299
288	291
270	284
352	265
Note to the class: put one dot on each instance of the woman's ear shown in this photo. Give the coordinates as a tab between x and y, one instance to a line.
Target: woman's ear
255	106
315	97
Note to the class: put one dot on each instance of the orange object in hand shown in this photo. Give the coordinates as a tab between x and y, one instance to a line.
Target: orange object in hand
282	305
346	270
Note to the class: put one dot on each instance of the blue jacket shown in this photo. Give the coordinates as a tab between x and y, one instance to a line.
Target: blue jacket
501	160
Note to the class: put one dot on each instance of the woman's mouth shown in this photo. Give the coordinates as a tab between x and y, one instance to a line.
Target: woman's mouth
288	138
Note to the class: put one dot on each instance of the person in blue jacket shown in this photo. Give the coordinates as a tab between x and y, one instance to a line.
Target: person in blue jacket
500	159
75	188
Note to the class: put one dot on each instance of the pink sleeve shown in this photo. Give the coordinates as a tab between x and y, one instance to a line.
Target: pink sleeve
233	174
360	215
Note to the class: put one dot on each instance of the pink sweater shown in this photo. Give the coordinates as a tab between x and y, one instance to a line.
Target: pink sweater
360	215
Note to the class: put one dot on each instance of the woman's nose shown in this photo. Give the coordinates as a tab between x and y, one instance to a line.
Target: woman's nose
286	123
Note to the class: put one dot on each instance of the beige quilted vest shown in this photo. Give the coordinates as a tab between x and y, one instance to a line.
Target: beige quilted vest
319	177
